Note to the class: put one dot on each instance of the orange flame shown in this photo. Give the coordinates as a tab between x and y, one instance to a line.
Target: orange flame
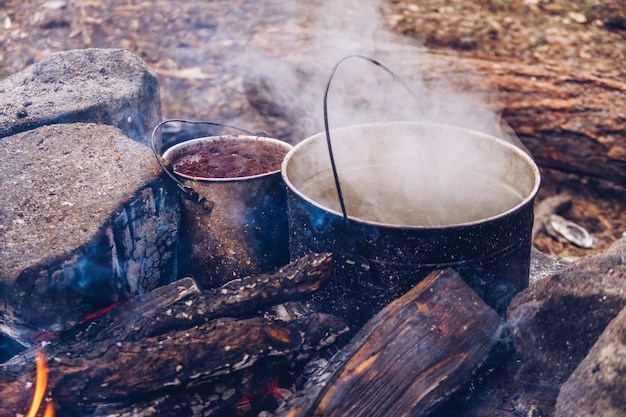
40	388
49	410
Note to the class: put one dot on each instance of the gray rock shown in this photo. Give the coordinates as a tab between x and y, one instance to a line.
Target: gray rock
107	86
555	322
86	219
542	265
598	385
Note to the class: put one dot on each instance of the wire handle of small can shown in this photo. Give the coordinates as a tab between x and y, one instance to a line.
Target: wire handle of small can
188	190
326	124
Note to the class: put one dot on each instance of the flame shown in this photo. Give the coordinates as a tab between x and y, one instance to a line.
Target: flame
40	388
49	410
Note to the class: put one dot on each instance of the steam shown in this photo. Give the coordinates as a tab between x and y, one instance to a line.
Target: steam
295	78
324	32
452	177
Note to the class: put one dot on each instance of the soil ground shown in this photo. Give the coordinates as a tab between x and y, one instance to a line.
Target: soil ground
189	45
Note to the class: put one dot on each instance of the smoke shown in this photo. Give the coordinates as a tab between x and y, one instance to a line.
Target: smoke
292	64
295	64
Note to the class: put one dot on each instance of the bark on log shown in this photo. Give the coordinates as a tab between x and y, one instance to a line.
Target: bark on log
182	304
119	364
219	361
571	121
241	297
408	358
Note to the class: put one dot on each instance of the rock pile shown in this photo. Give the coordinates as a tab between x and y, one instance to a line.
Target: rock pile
86	219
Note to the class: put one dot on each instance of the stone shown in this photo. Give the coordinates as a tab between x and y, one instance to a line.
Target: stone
555	322
87	219
106	86
542	265
598	385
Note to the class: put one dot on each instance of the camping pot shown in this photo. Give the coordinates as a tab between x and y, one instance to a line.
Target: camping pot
235	224
415	197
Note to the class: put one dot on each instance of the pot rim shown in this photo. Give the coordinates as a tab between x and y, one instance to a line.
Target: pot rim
198	143
501	142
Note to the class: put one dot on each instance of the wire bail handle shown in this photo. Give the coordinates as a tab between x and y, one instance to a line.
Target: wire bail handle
189	191
326	124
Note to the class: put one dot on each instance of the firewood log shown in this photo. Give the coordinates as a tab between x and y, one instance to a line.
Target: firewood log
202	360
182	304
408	358
211	366
243	296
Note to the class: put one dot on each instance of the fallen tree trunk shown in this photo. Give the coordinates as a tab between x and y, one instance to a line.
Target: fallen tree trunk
571	121
408	358
161	351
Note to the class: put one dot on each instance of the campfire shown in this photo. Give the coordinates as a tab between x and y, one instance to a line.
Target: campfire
112	313
212	364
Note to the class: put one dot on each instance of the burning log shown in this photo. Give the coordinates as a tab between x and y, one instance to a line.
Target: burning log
219	361
408	358
176	350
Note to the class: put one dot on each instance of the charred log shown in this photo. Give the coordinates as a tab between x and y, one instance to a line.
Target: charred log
183	304
408	358
191	362
209	367
241	297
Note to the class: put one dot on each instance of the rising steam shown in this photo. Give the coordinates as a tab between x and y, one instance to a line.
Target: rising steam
325	31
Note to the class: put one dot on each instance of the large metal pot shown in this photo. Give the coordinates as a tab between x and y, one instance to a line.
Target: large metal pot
417	197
